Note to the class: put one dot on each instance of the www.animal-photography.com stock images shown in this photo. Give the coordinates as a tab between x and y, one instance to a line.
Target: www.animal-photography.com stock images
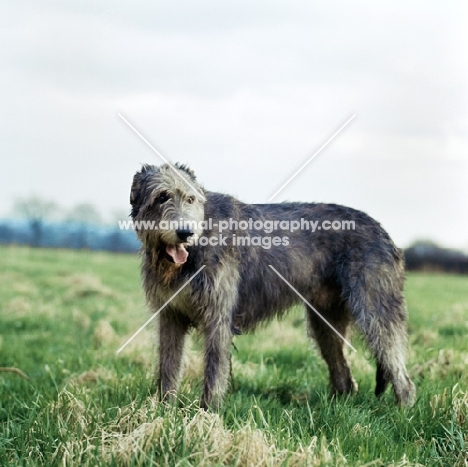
234	233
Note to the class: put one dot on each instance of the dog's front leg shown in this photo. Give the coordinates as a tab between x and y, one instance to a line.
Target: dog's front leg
173	328
218	339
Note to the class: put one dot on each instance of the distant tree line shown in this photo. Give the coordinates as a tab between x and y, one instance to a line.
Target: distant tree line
425	255
42	223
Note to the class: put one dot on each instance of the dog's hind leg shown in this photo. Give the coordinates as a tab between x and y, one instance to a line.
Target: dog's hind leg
331	346
173	328
381	379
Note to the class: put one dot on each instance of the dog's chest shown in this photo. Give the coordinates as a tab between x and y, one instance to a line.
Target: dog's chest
180	300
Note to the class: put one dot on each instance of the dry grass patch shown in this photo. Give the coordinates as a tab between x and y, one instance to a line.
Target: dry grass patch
447	361
138	436
19	306
104	334
455	400
192	364
404	462
90	377
85	285
80	318
207	442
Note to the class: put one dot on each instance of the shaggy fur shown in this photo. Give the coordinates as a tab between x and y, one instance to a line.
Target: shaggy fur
348	275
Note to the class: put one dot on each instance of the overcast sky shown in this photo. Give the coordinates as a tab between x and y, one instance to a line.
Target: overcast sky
244	92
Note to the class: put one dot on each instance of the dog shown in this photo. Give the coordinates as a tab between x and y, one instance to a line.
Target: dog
203	254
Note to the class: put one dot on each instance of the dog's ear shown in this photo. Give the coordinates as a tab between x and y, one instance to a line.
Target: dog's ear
137	193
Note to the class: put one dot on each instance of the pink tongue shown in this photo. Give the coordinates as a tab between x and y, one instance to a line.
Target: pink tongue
178	253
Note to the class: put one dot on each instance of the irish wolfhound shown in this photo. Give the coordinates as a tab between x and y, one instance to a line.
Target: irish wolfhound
348	275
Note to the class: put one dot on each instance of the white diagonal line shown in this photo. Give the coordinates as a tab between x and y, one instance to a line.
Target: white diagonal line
313	309
162	157
315	154
157	312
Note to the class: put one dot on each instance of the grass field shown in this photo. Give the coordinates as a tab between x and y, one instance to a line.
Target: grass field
65	313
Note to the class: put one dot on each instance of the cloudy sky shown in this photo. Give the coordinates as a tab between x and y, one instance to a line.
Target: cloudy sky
244	92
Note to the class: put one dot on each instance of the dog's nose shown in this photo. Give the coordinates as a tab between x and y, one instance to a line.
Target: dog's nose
184	234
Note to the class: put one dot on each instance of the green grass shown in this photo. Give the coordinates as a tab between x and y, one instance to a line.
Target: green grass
65	313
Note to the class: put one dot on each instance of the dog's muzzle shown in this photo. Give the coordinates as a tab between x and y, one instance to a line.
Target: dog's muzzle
177	252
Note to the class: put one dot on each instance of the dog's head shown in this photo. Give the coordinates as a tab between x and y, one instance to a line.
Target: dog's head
168	209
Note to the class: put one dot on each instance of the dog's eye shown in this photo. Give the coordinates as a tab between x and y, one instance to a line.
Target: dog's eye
163	197
191	199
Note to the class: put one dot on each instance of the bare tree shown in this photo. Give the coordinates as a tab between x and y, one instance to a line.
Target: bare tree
119	215
84	214
36	210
